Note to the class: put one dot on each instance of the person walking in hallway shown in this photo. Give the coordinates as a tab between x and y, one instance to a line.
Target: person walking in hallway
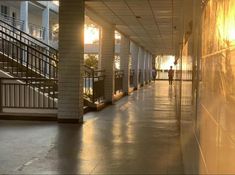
154	73
170	75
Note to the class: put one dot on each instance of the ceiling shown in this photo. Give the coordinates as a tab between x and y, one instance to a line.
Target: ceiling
153	24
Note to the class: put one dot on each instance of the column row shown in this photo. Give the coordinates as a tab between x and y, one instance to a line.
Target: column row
71	51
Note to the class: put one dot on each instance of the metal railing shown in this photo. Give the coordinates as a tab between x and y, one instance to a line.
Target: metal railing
118	81
163	75
93	89
132	73
29	58
17	23
28	93
36	31
28	39
22	57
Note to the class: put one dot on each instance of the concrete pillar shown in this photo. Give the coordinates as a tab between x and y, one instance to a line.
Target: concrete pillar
125	62
146	67
46	23
135	63
150	67
141	60
24	15
71	60
107	60
100	44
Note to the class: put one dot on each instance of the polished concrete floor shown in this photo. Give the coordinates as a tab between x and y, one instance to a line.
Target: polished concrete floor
137	135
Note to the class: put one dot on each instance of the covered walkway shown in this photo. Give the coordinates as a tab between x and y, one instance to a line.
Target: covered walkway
139	134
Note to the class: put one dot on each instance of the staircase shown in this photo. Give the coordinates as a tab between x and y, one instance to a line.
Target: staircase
25	56
35	63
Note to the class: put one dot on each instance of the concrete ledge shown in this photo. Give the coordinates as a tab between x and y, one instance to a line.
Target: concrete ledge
28	116
173	80
118	96
131	89
101	106
72	121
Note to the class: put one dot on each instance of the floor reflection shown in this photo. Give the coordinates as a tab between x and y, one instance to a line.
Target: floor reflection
170	92
131	137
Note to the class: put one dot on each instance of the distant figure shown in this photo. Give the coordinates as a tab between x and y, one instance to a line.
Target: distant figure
170	75
154	74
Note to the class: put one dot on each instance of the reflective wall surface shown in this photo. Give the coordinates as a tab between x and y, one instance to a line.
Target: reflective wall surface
217	103
206	105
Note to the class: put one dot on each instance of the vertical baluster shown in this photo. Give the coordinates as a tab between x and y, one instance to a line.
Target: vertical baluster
27	61
54	89
43	95
1	107
93	82
19	91
24	90
10	94
6	92
39	97
14	95
34	96
48	94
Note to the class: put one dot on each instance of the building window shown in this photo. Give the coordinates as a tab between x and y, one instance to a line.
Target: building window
4	10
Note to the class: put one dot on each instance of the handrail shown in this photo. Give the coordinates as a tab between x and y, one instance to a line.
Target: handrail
17	22
29	36
24	79
31	47
14	21
26	41
119	74
89	68
93	84
4	16
30	57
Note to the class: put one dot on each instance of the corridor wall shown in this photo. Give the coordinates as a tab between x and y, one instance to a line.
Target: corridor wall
217	88
206	105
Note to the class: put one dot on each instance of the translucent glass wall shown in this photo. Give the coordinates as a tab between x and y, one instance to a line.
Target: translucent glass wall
206	105
216	115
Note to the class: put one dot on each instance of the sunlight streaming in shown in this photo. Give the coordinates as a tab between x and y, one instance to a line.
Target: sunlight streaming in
91	34
226	25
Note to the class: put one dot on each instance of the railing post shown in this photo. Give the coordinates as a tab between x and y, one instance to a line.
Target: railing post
93	83
27	63
1	95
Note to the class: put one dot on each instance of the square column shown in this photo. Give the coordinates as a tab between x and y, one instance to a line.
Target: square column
142	61
150	67
46	23
100	43
107	61
71	60
146	67
135	63
125	62
24	15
